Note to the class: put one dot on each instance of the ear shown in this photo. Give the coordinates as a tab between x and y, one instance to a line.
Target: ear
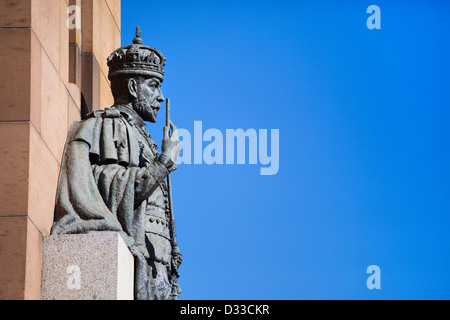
132	87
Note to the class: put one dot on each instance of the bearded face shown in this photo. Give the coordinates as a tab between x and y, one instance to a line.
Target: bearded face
149	96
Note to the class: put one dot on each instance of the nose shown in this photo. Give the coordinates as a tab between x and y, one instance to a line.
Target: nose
160	96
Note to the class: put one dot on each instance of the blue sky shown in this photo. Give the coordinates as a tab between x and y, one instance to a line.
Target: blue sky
363	138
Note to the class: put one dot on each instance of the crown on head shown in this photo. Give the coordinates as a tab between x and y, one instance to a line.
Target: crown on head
136	60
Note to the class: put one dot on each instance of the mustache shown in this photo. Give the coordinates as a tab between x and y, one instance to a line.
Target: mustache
156	105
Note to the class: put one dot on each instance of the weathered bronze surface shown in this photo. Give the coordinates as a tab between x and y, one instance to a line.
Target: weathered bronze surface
113	177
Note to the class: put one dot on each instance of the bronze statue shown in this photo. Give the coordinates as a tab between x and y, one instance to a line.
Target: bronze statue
113	178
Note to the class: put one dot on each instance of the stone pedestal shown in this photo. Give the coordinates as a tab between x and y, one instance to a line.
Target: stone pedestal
96	266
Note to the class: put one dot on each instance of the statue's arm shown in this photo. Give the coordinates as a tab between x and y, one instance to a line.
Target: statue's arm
148	178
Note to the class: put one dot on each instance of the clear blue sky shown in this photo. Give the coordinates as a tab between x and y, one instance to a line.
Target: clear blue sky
363	117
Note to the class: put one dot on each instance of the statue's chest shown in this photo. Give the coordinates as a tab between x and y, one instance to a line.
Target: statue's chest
147	148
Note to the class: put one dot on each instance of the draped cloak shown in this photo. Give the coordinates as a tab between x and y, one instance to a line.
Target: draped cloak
107	173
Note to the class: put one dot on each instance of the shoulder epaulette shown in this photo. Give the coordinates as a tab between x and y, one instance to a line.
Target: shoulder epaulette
107	113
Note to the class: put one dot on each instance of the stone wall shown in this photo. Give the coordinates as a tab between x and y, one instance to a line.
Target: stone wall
47	67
